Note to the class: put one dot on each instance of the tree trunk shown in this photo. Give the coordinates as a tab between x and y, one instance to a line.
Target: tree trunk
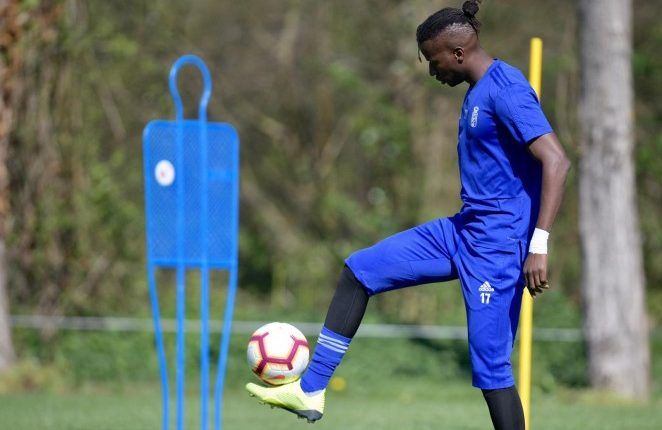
8	32
615	322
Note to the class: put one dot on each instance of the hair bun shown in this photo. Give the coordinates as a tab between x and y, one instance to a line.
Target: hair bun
470	8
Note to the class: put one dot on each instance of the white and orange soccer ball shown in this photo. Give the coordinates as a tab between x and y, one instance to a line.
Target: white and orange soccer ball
278	353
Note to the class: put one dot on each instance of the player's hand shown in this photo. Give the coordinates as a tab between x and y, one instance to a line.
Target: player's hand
535	273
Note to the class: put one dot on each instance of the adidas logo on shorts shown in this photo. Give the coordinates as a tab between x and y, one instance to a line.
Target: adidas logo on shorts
485	288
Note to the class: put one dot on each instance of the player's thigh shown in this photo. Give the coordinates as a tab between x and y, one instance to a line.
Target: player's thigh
420	255
491	279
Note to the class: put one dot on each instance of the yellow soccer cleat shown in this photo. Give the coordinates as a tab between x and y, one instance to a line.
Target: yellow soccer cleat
291	398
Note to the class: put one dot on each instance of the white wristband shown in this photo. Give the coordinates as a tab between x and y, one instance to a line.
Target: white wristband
538	243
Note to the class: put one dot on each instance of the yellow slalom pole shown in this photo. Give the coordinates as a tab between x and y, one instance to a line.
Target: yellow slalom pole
526	315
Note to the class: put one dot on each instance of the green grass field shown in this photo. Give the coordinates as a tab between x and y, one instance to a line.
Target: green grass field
105	381
454	406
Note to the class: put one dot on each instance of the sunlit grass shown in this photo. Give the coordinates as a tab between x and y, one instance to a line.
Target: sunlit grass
421	405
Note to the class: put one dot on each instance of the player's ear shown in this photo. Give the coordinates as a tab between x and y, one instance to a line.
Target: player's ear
458	53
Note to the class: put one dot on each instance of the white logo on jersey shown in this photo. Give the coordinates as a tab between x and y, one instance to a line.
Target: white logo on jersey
486	288
474	117
485	291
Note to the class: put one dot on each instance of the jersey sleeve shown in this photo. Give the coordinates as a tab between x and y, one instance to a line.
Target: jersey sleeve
518	109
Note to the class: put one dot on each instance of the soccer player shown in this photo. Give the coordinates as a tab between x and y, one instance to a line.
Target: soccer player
513	171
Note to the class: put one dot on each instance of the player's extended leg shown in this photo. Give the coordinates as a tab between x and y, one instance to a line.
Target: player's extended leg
305	398
413	257
492	287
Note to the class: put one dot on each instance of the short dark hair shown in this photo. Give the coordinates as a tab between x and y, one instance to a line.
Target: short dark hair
440	20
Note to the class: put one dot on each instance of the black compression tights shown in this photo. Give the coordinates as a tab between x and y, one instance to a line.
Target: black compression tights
347	306
505	408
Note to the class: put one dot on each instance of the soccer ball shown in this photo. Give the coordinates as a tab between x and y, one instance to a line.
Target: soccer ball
278	353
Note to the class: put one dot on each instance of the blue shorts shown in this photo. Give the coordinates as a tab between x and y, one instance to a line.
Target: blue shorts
490	275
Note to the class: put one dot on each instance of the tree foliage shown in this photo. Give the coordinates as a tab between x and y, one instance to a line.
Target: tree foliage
344	140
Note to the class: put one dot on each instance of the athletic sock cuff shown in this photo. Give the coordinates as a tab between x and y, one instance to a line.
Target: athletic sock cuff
333	340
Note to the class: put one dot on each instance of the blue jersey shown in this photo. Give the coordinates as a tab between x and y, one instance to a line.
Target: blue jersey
500	179
484	245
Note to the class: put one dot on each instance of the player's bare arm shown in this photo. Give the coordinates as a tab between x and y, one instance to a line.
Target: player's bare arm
555	166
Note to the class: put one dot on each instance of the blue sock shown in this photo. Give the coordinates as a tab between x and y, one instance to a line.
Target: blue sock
330	350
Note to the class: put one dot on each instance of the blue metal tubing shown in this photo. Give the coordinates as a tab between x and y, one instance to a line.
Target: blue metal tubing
181	264
229	304
163	366
181	275
180	369
204	270
204	294
193	264
206	81
204	348
154	299
225	345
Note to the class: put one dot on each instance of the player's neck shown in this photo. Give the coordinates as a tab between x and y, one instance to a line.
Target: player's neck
480	62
